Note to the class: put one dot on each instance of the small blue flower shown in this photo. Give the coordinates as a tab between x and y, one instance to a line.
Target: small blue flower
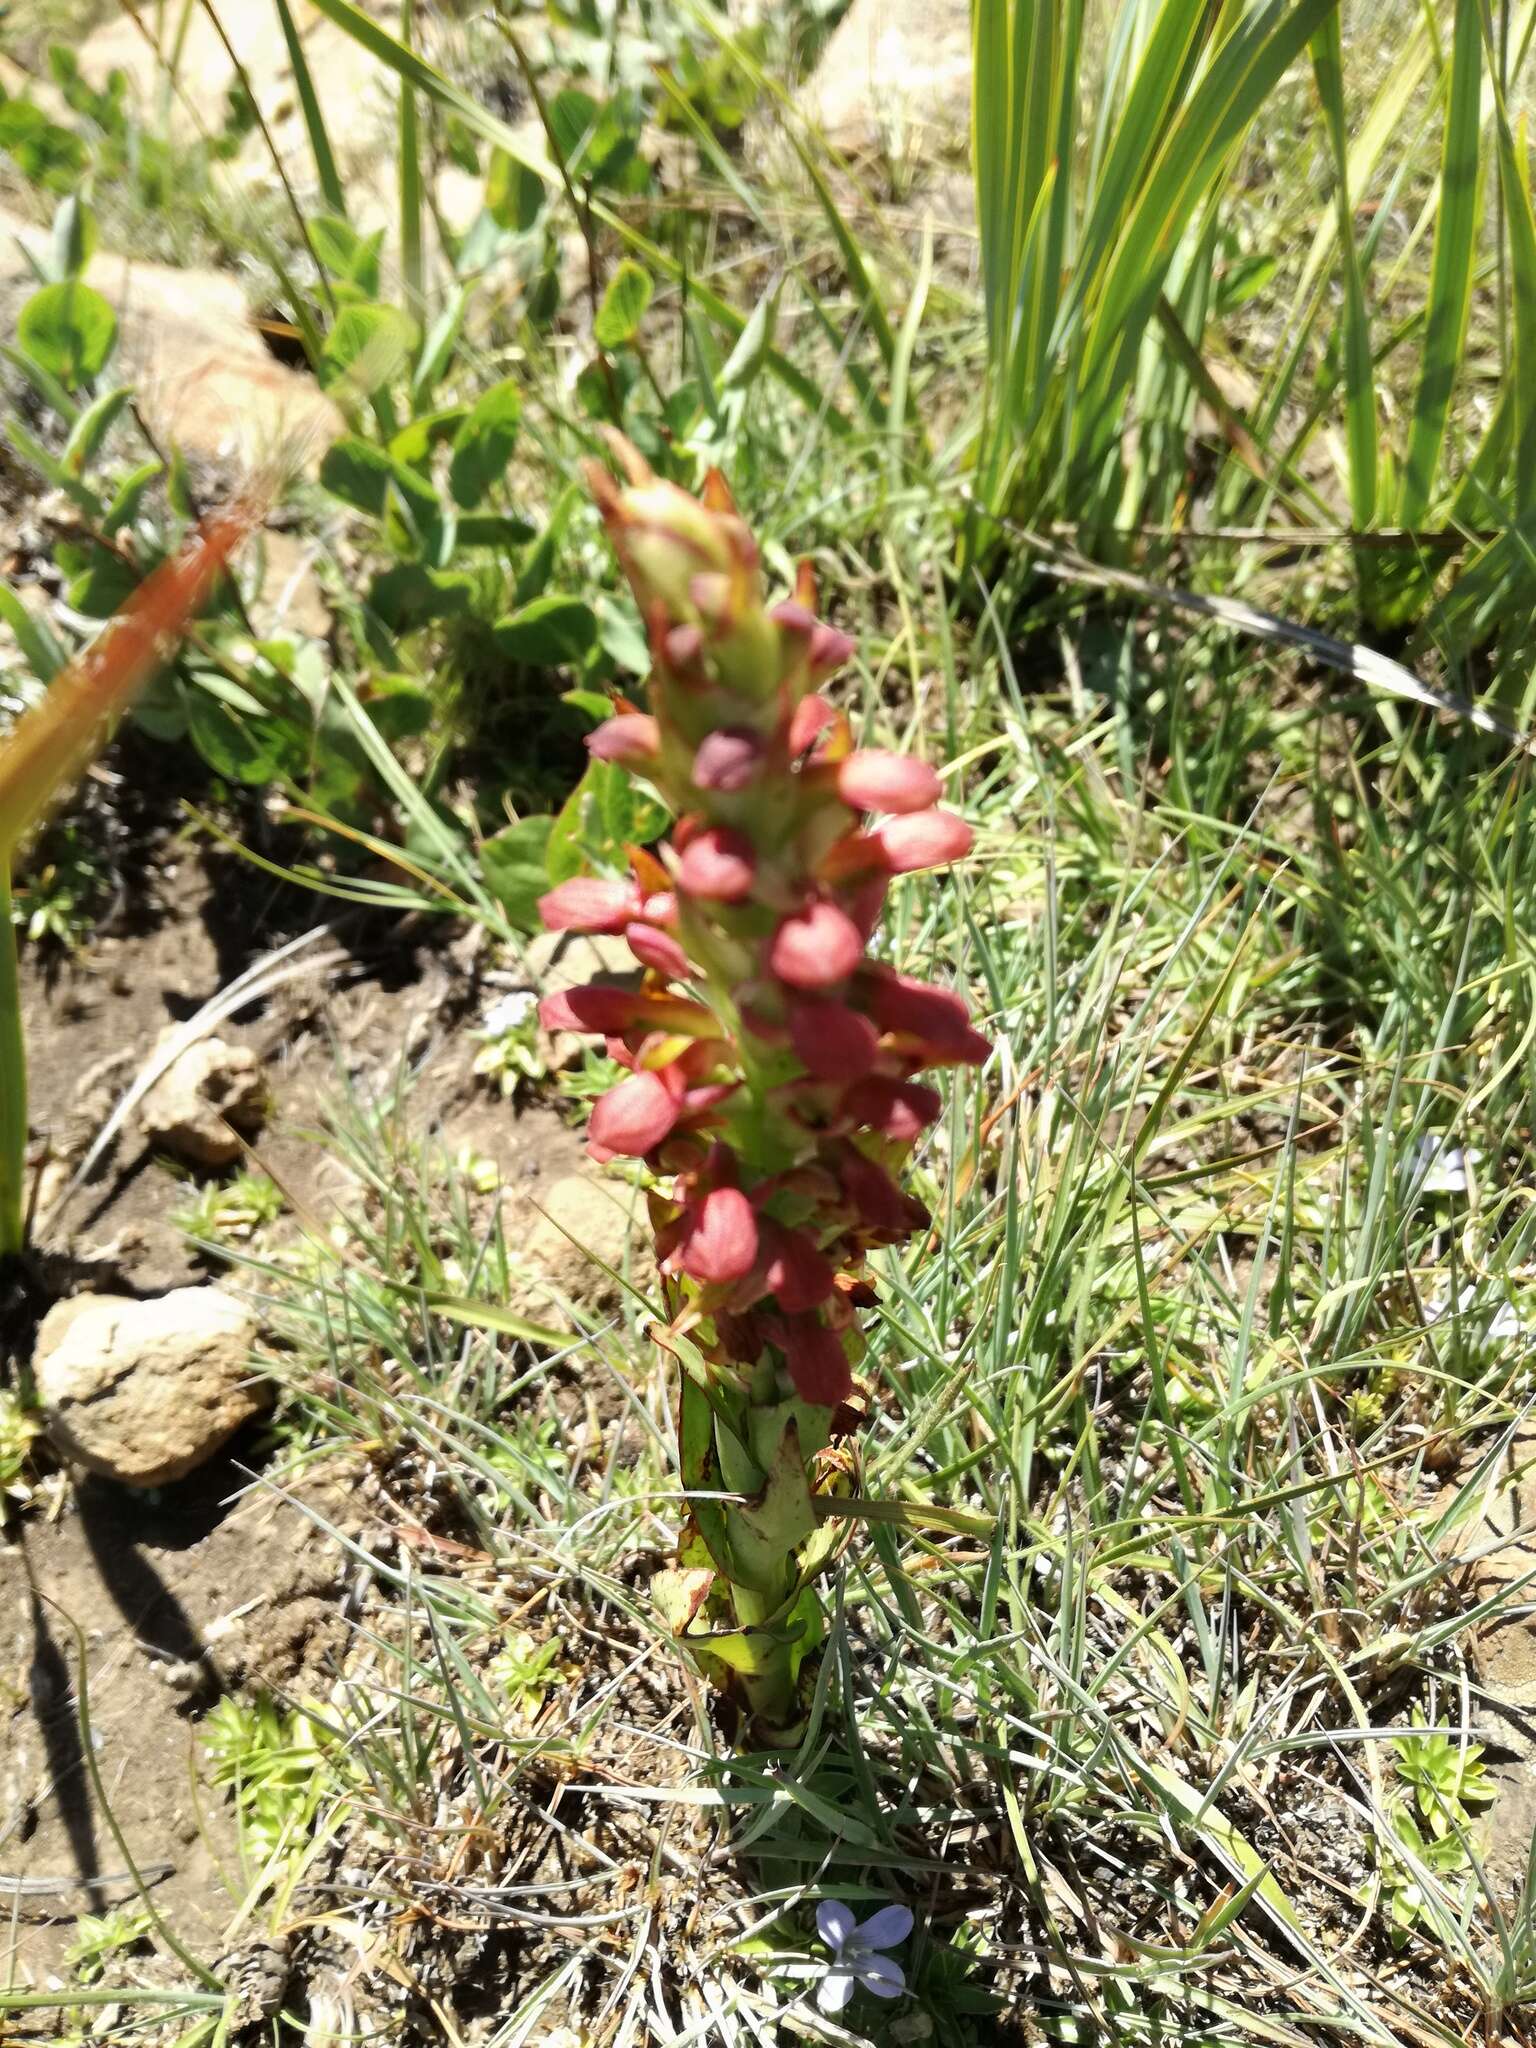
855	1953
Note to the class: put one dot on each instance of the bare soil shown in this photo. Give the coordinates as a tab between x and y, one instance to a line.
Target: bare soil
167	1600
160	1602
384	998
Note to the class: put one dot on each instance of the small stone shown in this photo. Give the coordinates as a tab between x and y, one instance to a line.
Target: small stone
896	76
146	1391
191	1107
290	599
584	1224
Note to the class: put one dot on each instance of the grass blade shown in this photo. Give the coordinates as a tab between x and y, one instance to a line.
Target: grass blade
13	1082
1450	288
326	173
1359	370
1195	153
412	268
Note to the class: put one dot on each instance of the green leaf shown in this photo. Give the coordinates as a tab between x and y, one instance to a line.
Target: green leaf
624	306
409	181
754	345
606	812
548	632
345	253
573	121
70	330
437	351
410	595
514	195
92	428
486	1315
368	347
1359	364
399	707
246	750
766	1532
623	637
361	473
102	585
483	446
513	864
495	530
43	652
75	236
314	121
50	157
416	440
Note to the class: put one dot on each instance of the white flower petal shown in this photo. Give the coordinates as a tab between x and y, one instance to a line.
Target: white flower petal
1442	1168
834	1923
884	1976
885	1928
835	1990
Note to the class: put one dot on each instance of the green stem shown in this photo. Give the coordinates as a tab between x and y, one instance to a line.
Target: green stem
13	1080
770	1689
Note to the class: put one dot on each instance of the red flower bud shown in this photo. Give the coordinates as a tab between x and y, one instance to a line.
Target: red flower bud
719	1237
834	1042
817	1362
830	650
697	1100
926	839
727	761
899	1110
718	864
657	950
585	904
683	645
632	1118
816	947
794	618
825	647
874	781
596	1006
633	739
878	1201
936	1017
857	858
810	719
798	1273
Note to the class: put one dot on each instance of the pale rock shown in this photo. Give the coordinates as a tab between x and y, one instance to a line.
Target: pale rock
189	1110
896	77
146	1391
354	90
289	598
201	373
557	961
1495	1538
582	1223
